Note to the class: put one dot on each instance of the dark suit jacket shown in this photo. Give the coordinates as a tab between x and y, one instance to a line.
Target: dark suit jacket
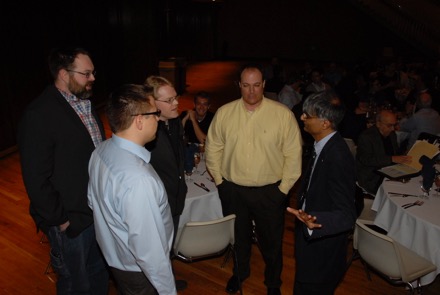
55	148
370	156
321	257
167	156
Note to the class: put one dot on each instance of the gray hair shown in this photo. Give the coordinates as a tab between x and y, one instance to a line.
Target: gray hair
325	105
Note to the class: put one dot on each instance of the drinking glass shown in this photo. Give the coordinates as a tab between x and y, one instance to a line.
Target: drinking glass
188	176
202	150
196	161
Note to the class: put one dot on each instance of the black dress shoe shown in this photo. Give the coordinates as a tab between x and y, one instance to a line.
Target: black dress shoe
273	291
233	285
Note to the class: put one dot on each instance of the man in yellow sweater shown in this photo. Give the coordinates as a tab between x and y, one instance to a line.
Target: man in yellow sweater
253	152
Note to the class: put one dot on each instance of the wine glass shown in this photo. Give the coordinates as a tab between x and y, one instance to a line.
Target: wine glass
188	173
202	150
196	161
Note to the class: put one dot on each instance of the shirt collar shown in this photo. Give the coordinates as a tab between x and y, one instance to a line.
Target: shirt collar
320	144
256	109
69	96
132	147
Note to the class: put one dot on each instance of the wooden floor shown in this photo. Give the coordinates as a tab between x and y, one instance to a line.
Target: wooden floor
24	256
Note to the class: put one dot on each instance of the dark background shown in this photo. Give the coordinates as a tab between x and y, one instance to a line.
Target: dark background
128	39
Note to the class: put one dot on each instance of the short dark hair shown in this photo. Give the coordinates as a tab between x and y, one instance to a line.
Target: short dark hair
250	66
325	105
63	58
203	94
126	101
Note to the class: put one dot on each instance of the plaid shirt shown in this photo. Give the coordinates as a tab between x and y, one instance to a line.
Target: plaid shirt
83	108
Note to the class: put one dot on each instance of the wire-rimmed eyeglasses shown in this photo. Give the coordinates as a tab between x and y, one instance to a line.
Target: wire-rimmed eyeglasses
170	100
156	113
306	116
86	74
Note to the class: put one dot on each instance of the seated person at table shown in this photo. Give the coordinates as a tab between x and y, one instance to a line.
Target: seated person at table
426	119
377	147
196	123
290	95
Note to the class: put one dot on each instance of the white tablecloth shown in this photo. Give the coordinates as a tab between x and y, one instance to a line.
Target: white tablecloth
201	205
418	227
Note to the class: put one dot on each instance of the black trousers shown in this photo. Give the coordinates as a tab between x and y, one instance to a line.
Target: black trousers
313	289
132	283
265	205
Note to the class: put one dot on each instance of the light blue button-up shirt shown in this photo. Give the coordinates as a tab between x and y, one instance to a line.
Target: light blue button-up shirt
133	222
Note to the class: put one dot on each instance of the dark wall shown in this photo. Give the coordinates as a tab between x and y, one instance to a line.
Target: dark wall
302	30
128	38
122	37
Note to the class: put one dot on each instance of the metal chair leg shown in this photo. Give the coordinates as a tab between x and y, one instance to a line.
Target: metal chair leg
227	256
48	269
238	270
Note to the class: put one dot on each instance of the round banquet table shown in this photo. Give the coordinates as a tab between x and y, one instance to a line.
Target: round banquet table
418	227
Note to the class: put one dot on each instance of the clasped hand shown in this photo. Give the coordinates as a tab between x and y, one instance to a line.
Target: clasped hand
308	220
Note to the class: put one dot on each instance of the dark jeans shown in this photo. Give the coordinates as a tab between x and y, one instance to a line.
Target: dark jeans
132	283
78	263
266	206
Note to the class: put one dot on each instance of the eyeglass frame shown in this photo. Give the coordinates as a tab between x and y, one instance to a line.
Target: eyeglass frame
156	113
86	74
307	116
171	99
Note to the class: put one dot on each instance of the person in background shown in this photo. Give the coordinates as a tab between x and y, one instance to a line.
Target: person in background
377	147
316	83
425	119
129	200
196	121
167	149
326	209
196	124
253	152
290	95
57	135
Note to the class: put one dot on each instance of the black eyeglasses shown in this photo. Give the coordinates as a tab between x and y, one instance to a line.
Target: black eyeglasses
86	74
170	100
156	113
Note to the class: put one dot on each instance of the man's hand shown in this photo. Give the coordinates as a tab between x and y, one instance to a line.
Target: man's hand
64	226
307	219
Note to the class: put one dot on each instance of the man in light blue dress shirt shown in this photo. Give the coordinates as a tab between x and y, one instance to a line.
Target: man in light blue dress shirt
133	221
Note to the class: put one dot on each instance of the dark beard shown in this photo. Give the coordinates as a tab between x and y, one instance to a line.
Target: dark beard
79	91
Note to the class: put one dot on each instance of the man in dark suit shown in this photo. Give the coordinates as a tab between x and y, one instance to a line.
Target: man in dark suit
57	135
377	148
167	150
326	211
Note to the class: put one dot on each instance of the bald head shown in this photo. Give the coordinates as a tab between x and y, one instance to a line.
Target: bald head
424	100
385	122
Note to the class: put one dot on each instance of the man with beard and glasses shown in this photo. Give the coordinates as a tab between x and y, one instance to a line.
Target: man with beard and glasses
57	135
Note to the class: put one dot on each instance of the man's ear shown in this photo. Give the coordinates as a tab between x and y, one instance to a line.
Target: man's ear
138	122
326	124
